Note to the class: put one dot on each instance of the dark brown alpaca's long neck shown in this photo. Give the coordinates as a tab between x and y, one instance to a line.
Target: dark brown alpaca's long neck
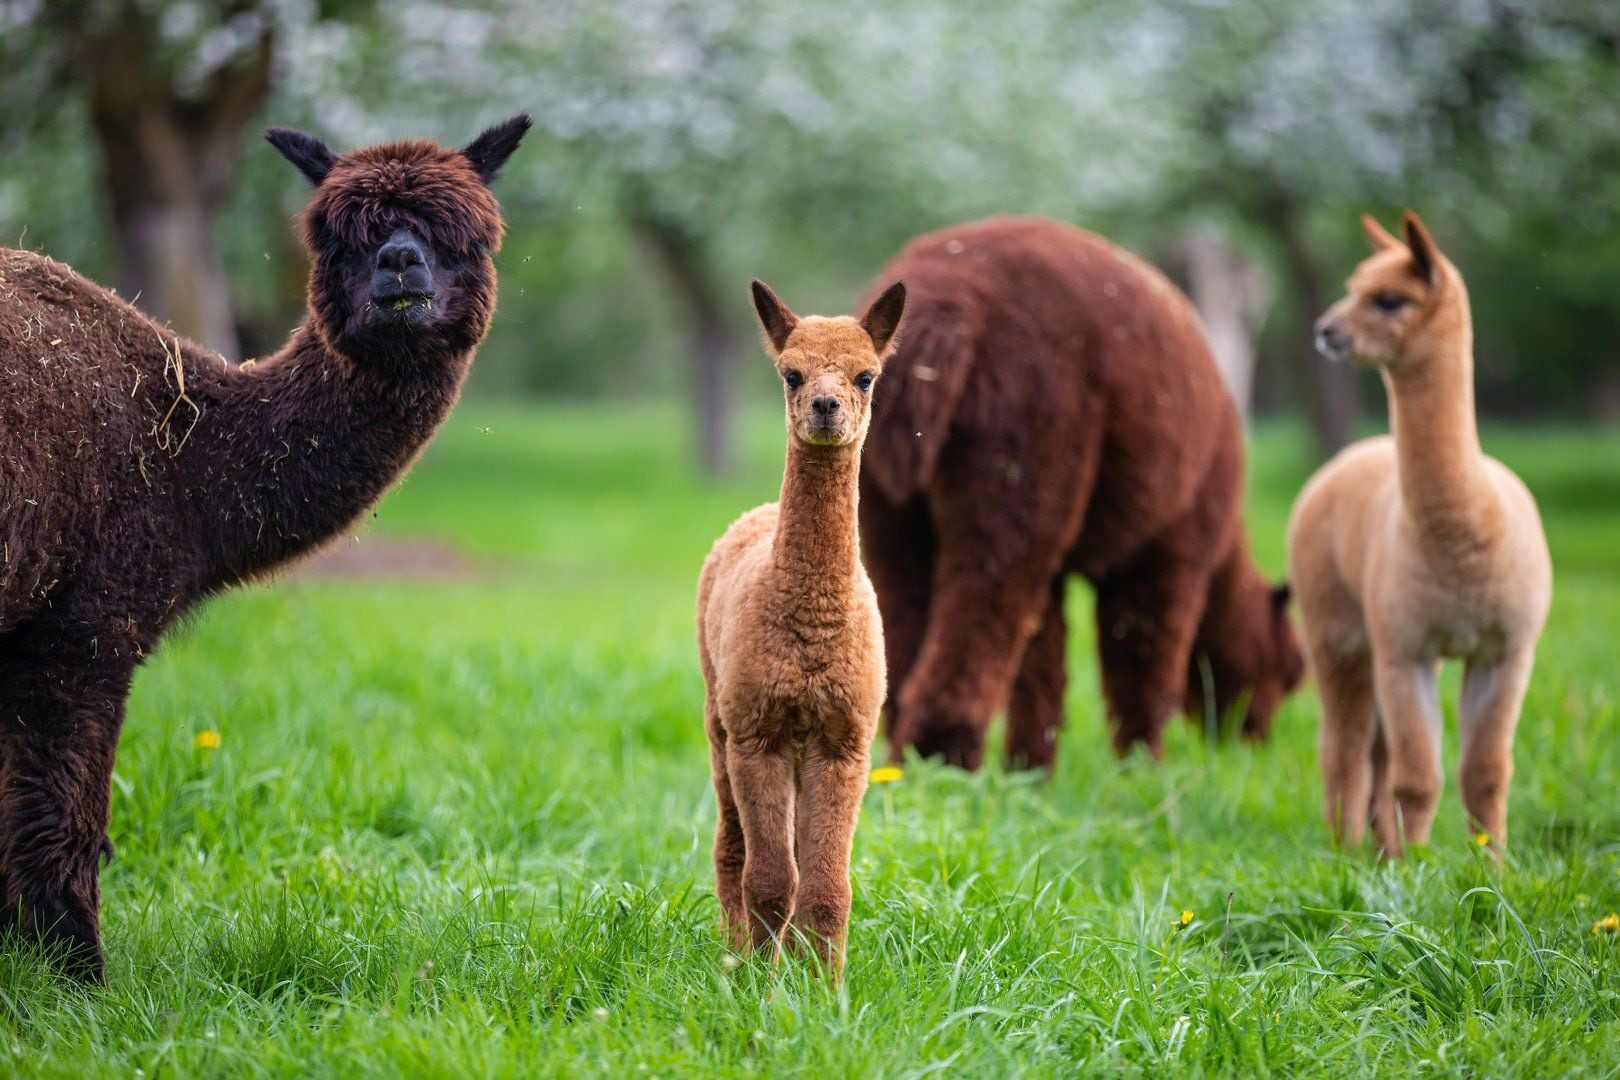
289	453
816	533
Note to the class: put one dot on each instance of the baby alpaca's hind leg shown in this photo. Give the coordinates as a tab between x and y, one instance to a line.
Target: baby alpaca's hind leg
1492	696
762	783
729	850
1347	742
830	791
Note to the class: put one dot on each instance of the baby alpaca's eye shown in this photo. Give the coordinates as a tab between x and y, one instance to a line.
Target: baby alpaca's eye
864	380
793	379
1389	303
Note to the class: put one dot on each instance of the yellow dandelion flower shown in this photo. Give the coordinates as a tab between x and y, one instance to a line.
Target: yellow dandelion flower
1609	924
886	774
1482	838
1186	917
206	740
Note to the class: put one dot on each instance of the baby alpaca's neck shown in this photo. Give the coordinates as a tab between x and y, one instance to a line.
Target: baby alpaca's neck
1444	487
816	533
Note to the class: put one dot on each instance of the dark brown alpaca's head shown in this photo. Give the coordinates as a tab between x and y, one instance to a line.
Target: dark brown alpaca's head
401	236
1250	656
829	365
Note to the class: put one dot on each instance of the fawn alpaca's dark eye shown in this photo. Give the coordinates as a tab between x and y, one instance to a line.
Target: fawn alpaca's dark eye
864	380
1389	303
793	379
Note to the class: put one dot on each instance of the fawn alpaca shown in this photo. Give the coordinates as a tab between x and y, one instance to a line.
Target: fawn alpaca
791	645
1413	548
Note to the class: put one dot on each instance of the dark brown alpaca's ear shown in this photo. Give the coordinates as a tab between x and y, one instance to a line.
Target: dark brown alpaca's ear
1378	236
882	319
490	150
1281	595
774	317
313	157
1425	255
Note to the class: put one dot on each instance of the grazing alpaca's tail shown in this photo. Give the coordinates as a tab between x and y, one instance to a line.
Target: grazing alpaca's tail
916	399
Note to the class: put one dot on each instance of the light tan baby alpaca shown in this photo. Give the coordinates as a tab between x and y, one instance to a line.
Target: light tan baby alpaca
792	646
1409	549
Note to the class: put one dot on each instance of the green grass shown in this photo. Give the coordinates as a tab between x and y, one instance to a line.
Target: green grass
461	827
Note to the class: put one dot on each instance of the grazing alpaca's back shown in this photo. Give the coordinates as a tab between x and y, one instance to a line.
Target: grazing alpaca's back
1410	549
791	646
139	473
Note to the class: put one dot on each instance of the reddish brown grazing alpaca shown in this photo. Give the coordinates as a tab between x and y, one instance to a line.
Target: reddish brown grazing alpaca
139	473
1054	409
791	646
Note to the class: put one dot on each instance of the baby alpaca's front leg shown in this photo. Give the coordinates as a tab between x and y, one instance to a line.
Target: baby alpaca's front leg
830	789
762	783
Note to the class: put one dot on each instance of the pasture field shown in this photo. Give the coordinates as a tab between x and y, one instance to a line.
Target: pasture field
459	824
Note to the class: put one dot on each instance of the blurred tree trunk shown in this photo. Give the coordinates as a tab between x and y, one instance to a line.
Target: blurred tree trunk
1232	297
712	342
1333	397
169	160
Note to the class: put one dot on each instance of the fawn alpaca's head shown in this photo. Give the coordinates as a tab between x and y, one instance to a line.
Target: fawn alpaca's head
828	365
401	237
1402	302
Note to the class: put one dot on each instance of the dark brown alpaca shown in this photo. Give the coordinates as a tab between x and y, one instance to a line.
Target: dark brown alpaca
1054	409
140	473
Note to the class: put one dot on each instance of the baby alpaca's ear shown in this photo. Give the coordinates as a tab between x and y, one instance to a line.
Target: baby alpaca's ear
882	319
1378	236
312	156
774	317
1425	253
490	150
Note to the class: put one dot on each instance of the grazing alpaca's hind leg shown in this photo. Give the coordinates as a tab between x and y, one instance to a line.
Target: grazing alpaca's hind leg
830	791
1147	619
1035	711
898	548
762	783
1409	703
1492	697
729	850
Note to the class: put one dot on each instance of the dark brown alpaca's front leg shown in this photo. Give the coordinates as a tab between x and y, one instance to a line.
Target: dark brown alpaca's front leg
60	737
1147	619
831	786
1035	712
897	546
762	784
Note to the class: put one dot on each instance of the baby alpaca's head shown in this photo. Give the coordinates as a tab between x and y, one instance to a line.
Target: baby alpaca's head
1403	302
828	365
401	236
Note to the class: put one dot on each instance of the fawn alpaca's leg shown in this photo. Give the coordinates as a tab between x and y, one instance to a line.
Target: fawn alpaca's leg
1383	795
1147	619
729	851
1492	696
762	783
830	789
1346	741
1409	704
897	545
1035	711
59	729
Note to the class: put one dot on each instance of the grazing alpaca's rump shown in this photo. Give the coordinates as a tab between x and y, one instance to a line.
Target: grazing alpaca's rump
140	473
1054	410
791	647
1410	549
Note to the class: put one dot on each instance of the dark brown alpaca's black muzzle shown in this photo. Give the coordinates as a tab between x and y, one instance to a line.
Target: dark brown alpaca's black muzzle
402	289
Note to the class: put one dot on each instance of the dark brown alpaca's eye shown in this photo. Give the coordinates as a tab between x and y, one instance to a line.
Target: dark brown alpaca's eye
1389	303
864	380
793	379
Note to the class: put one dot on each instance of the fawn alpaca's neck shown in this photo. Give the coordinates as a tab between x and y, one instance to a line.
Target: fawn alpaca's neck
816	534
291	451
1442	470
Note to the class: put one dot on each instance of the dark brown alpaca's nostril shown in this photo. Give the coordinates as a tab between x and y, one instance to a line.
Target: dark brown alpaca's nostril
400	254
825	406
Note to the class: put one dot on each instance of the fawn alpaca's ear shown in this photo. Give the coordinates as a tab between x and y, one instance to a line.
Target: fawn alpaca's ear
1425	255
313	157
490	150
774	317
1377	235
882	319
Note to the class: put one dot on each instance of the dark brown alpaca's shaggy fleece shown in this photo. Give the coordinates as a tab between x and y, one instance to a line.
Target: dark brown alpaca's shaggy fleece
140	473
1054	409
